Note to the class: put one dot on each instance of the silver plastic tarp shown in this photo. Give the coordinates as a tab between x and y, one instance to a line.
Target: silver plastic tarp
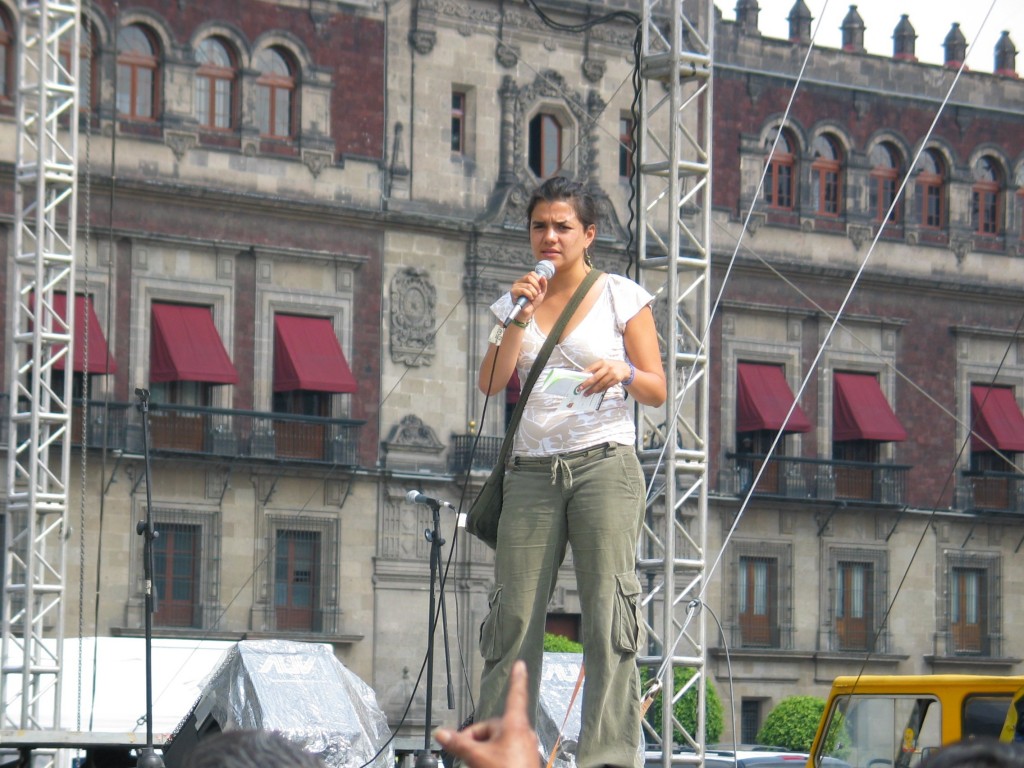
302	691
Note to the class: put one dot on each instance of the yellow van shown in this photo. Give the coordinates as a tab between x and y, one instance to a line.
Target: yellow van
895	721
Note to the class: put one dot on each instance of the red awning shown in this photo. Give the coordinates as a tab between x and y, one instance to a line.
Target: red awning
763	399
861	412
185	346
307	356
100	360
996	419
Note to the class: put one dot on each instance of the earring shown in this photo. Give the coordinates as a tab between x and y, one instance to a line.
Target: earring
586	258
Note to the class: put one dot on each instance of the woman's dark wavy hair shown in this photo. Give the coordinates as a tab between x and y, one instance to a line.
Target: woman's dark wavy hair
560	189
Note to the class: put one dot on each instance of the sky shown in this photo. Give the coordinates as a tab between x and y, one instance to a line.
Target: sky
931	20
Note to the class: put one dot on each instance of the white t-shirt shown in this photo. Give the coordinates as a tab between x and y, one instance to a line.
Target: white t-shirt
546	428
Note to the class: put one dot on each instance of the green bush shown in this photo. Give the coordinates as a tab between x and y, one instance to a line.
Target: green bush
686	708
561	644
792	724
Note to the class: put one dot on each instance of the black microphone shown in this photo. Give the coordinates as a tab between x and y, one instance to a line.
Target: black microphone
544	268
415	497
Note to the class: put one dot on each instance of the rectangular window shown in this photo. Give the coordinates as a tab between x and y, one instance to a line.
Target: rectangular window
263	110
458	122
932	214
282	112
853	605
830	203
627	146
881	194
825	188
185	562
985	212
972	604
750	720
1020	208
176	559
858	593
762	606
222	103
297	580
758	589
778	186
203	99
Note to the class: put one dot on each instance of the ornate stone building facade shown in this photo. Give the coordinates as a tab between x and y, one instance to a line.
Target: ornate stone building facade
325	198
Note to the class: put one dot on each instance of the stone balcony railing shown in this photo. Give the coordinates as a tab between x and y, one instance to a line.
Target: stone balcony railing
206	432
815	479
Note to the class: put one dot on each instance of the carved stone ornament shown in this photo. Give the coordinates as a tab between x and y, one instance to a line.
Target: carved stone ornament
506	55
413	306
180	142
593	69
412	434
316	160
960	247
422	40
858	234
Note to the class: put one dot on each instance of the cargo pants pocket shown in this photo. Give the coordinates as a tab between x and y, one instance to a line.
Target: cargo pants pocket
627	628
491	645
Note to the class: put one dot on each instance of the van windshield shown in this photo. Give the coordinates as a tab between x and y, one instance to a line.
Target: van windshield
882	731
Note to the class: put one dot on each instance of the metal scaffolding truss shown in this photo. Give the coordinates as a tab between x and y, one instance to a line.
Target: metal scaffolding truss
674	137
41	332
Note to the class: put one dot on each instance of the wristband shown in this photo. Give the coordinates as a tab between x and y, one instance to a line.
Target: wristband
521	324
632	375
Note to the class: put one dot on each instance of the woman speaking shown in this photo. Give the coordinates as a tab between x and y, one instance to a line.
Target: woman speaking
573	476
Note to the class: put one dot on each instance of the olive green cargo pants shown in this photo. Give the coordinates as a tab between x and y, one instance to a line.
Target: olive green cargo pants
593	500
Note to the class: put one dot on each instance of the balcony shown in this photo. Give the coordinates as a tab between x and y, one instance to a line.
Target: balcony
460	453
205	432
991	493
790	477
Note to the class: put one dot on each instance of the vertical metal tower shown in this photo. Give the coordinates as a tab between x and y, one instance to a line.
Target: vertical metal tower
674	135
40	435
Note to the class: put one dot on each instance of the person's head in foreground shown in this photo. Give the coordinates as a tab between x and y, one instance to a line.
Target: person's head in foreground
977	753
250	749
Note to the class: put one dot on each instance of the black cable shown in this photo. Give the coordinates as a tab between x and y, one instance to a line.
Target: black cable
624	15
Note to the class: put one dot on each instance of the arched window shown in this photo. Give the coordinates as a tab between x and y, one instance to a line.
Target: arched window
885	175
137	70
931	189
545	145
275	88
6	57
778	184
86	64
826	176
986	210
215	85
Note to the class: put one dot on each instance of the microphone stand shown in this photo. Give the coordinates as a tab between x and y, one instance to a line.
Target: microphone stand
148	758
426	758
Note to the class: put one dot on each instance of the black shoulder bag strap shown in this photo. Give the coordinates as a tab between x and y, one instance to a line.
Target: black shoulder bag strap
542	358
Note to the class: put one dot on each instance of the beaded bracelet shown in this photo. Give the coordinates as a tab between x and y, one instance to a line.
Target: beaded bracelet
521	324
632	375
